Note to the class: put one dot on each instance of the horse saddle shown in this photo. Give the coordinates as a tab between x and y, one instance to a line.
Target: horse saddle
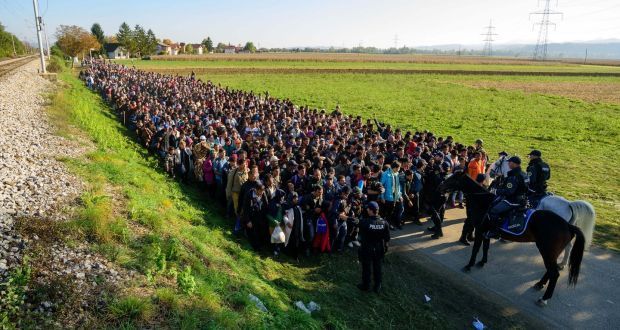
516	221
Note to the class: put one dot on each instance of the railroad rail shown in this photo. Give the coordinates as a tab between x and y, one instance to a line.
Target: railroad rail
10	65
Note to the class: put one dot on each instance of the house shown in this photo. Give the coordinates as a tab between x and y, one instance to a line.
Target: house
198	49
115	50
164	49
230	49
174	49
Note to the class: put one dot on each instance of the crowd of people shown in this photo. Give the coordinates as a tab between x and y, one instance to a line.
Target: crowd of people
292	178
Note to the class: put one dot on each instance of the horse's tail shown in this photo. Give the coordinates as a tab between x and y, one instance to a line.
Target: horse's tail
576	255
584	217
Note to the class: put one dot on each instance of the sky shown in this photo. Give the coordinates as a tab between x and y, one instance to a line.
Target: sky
338	23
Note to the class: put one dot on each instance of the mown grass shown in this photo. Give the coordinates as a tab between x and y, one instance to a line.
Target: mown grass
309	64
579	139
198	275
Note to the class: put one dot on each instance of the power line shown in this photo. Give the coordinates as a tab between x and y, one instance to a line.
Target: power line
540	52
488	39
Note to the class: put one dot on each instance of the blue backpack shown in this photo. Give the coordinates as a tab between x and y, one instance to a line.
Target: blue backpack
321	225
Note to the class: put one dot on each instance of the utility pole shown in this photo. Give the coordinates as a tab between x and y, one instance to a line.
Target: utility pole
488	40
540	52
47	44
37	20
585	59
13	41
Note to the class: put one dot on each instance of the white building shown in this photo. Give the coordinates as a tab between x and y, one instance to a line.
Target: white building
115	50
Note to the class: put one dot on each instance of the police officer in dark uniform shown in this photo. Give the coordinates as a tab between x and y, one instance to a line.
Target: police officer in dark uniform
375	235
510	195
538	173
441	168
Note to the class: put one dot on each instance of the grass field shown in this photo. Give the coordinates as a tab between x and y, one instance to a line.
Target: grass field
309	64
195	274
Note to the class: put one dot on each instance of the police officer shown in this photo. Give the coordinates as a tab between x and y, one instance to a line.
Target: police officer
436	176
510	196
375	235
538	173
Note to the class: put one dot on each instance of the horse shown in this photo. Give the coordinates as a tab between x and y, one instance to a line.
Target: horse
549	231
578	213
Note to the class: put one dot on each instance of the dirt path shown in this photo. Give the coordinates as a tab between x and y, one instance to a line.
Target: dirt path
514	267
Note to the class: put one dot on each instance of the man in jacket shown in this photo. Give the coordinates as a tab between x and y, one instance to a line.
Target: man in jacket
392	196
510	196
538	172
375	235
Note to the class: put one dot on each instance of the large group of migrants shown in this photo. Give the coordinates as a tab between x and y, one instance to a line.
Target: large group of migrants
290	177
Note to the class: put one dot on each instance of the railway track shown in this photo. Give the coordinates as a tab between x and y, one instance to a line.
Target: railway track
10	65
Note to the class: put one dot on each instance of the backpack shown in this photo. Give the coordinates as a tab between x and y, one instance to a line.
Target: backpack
321	225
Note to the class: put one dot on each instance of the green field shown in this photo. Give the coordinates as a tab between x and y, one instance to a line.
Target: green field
578	139
309	64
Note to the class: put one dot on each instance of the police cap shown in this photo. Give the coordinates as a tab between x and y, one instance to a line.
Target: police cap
515	159
535	152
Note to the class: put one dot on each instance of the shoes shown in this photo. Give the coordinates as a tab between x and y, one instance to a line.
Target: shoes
461	206
363	287
350	244
464	241
356	243
431	228
436	235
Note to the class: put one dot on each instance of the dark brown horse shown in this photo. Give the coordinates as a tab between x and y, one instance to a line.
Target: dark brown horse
549	231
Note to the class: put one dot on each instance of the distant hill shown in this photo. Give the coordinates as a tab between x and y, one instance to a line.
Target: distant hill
603	49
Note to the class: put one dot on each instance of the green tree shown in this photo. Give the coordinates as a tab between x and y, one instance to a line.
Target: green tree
208	44
74	40
97	31
189	49
7	40
140	40
249	47
125	38
151	43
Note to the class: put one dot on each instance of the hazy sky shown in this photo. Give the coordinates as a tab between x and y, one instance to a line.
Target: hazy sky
274	23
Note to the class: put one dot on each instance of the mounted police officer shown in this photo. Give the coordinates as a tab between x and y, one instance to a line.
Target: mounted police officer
375	235
511	195
538	173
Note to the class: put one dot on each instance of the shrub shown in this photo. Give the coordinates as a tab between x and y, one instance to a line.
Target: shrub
185	280
56	64
131	309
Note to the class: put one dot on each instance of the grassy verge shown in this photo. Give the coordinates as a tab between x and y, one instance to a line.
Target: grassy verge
577	138
197	275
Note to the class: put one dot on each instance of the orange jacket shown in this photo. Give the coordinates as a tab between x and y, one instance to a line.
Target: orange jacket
474	168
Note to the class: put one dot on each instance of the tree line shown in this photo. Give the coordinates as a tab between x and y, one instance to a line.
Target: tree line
7	41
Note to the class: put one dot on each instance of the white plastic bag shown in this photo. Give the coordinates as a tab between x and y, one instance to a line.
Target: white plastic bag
278	236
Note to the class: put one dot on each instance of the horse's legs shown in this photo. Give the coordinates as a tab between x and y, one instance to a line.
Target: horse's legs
553	273
564	261
541	284
485	252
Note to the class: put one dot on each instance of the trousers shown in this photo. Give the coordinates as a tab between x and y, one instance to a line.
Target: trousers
371	264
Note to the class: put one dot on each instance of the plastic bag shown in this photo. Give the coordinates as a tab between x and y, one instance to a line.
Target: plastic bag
278	235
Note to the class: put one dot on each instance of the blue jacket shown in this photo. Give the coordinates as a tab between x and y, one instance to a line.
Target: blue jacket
386	181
